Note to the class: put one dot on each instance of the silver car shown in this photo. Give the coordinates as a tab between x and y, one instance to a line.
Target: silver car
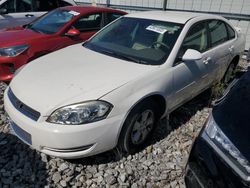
20	12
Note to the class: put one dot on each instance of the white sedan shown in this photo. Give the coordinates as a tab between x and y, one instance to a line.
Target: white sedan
110	91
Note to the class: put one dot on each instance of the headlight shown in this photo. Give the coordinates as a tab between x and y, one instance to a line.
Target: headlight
82	113
221	140
13	51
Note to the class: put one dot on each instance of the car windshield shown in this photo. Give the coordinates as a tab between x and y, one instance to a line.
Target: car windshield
52	22
138	40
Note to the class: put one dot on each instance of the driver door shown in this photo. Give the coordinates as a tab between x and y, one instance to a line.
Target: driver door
190	77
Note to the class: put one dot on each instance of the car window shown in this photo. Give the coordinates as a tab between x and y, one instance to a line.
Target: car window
112	16
23	5
52	22
137	40
9	5
90	22
18	6
197	39
231	32
218	32
63	3
42	5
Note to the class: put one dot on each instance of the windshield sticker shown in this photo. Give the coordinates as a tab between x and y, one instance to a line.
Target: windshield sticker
74	13
157	29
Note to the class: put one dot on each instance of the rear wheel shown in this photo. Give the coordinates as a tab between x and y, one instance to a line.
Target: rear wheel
138	127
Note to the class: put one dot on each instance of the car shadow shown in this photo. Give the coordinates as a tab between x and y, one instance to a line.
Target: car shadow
20	166
181	115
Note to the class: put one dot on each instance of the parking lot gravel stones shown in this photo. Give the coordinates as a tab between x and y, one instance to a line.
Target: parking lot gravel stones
160	164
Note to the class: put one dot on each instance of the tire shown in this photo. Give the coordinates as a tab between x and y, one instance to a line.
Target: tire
138	127
228	77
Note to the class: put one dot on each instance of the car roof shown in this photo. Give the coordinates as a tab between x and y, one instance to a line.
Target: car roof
170	16
90	9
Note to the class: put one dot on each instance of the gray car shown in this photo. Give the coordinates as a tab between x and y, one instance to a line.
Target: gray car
20	12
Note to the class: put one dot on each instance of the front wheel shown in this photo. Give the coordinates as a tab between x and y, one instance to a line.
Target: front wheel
138	127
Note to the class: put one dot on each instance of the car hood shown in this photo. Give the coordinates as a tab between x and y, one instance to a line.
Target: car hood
16	35
71	75
232	115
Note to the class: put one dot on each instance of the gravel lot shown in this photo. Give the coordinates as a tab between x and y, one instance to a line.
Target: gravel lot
160	164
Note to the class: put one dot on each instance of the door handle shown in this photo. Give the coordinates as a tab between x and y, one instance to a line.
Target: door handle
231	48
206	60
29	15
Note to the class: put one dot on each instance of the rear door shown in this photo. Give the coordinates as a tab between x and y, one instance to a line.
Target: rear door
221	46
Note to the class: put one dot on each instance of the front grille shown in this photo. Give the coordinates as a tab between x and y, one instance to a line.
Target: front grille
21	107
22	134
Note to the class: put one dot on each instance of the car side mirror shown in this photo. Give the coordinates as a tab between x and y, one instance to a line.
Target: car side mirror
191	55
72	32
3	11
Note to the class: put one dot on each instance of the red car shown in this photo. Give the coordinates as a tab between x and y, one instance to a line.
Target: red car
55	30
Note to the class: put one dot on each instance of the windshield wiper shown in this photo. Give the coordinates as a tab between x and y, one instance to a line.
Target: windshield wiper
121	56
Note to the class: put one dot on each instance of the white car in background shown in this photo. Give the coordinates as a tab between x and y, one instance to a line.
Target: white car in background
111	91
20	12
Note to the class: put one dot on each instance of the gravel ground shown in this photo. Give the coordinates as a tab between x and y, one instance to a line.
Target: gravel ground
160	164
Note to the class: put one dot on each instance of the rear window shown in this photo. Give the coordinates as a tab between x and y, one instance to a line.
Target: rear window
90	22
231	32
113	16
218	32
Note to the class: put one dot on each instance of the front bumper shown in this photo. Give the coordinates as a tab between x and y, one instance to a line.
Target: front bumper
8	66
64	141
6	72
207	169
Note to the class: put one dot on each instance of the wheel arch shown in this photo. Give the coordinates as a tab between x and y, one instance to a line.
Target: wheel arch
235	60
156	97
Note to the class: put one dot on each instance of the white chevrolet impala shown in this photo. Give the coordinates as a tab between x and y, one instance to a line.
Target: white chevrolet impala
110	91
